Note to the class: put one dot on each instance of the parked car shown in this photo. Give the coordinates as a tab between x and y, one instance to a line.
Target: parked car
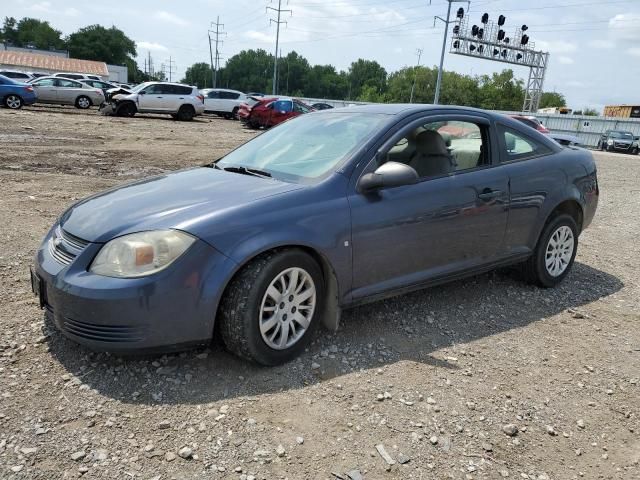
267	115
566	140
324	212
77	76
64	91
182	102
532	122
14	94
222	101
321	106
244	110
17	75
618	141
102	85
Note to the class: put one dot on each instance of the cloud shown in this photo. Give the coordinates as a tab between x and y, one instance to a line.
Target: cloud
556	46
170	18
635	51
260	37
625	26
44	7
601	44
566	60
151	46
71	12
575	84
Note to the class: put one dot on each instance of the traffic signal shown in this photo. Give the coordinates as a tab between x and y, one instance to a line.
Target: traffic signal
501	35
501	20
524	40
474	30
480	33
456	30
460	13
485	18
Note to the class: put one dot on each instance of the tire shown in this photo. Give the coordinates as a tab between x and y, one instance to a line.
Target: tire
545	272
14	102
126	109
234	114
186	113
634	151
248	327
83	102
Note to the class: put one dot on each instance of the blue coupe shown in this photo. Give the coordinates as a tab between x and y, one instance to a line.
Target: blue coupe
15	95
327	211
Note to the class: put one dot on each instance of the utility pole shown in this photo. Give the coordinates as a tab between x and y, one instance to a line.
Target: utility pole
213	74
217	32
171	67
436	99
150	65
279	11
415	77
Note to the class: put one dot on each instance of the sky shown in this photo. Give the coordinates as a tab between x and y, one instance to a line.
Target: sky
594	45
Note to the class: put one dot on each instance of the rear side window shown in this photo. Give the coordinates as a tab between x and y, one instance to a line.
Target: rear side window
519	146
283	106
213	95
177	90
67	83
229	95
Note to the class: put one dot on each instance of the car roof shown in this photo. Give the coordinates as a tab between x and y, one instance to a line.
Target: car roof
170	83
410	108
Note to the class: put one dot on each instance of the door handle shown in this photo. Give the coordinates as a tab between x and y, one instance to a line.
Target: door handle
488	194
159	97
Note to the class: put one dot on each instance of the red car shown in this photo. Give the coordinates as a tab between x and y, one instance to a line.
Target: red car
244	110
533	122
270	113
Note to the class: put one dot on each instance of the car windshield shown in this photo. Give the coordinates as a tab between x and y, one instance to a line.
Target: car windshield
137	88
305	148
623	135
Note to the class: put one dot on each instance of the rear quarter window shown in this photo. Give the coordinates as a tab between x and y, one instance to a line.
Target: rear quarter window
519	146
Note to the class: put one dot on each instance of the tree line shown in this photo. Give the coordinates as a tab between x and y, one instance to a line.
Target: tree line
251	71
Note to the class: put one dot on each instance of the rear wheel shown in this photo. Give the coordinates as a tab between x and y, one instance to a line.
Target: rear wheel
83	102
554	255
14	102
272	306
234	113
186	113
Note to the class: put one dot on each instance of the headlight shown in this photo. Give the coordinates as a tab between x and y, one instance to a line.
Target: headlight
140	254
609	142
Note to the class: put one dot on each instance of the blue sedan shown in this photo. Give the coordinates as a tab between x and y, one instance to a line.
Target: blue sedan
15	95
327	211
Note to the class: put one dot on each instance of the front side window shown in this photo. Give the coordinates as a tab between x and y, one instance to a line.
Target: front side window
67	83
307	147
441	148
153	89
283	106
213	95
518	146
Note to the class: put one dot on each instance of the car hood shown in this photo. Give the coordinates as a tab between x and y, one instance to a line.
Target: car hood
181	200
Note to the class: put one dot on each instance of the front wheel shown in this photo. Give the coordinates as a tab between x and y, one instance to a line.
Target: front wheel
83	102
272	306
14	102
554	255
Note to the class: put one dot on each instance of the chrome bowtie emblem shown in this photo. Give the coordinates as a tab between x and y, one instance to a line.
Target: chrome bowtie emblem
56	242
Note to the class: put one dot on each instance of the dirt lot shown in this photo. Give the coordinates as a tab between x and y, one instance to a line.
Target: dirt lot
438	378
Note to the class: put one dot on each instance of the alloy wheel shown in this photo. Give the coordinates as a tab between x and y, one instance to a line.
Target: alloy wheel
287	308
559	251
13	102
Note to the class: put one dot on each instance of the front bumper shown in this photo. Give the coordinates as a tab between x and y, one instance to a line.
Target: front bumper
161	312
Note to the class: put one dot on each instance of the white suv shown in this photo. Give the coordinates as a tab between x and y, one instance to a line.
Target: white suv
77	76
182	102
222	101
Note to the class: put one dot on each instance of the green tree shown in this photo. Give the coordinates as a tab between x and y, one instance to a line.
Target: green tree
366	73
39	34
293	71
9	31
95	42
501	91
248	71
552	99
323	81
590	112
198	74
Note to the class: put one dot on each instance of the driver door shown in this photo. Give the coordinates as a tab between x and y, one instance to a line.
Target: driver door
281	110
152	98
454	219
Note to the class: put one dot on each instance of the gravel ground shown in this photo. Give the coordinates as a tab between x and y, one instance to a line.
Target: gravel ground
483	378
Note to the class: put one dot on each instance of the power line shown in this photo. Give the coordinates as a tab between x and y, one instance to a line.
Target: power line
215	64
171	67
415	78
279	11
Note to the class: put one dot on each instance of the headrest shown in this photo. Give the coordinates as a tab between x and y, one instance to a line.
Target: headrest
431	142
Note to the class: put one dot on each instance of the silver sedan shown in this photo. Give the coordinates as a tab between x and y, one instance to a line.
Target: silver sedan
64	91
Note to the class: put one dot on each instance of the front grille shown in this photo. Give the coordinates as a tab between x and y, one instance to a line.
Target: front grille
64	247
621	146
104	333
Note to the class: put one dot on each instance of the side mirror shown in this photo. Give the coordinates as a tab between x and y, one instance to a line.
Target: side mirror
388	175
142	93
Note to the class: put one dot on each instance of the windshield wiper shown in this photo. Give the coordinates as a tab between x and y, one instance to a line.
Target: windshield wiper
246	171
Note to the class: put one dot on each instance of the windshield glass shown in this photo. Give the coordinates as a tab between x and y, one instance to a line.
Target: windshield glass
625	135
137	88
307	147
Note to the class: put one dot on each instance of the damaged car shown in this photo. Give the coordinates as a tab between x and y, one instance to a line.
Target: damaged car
182	102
